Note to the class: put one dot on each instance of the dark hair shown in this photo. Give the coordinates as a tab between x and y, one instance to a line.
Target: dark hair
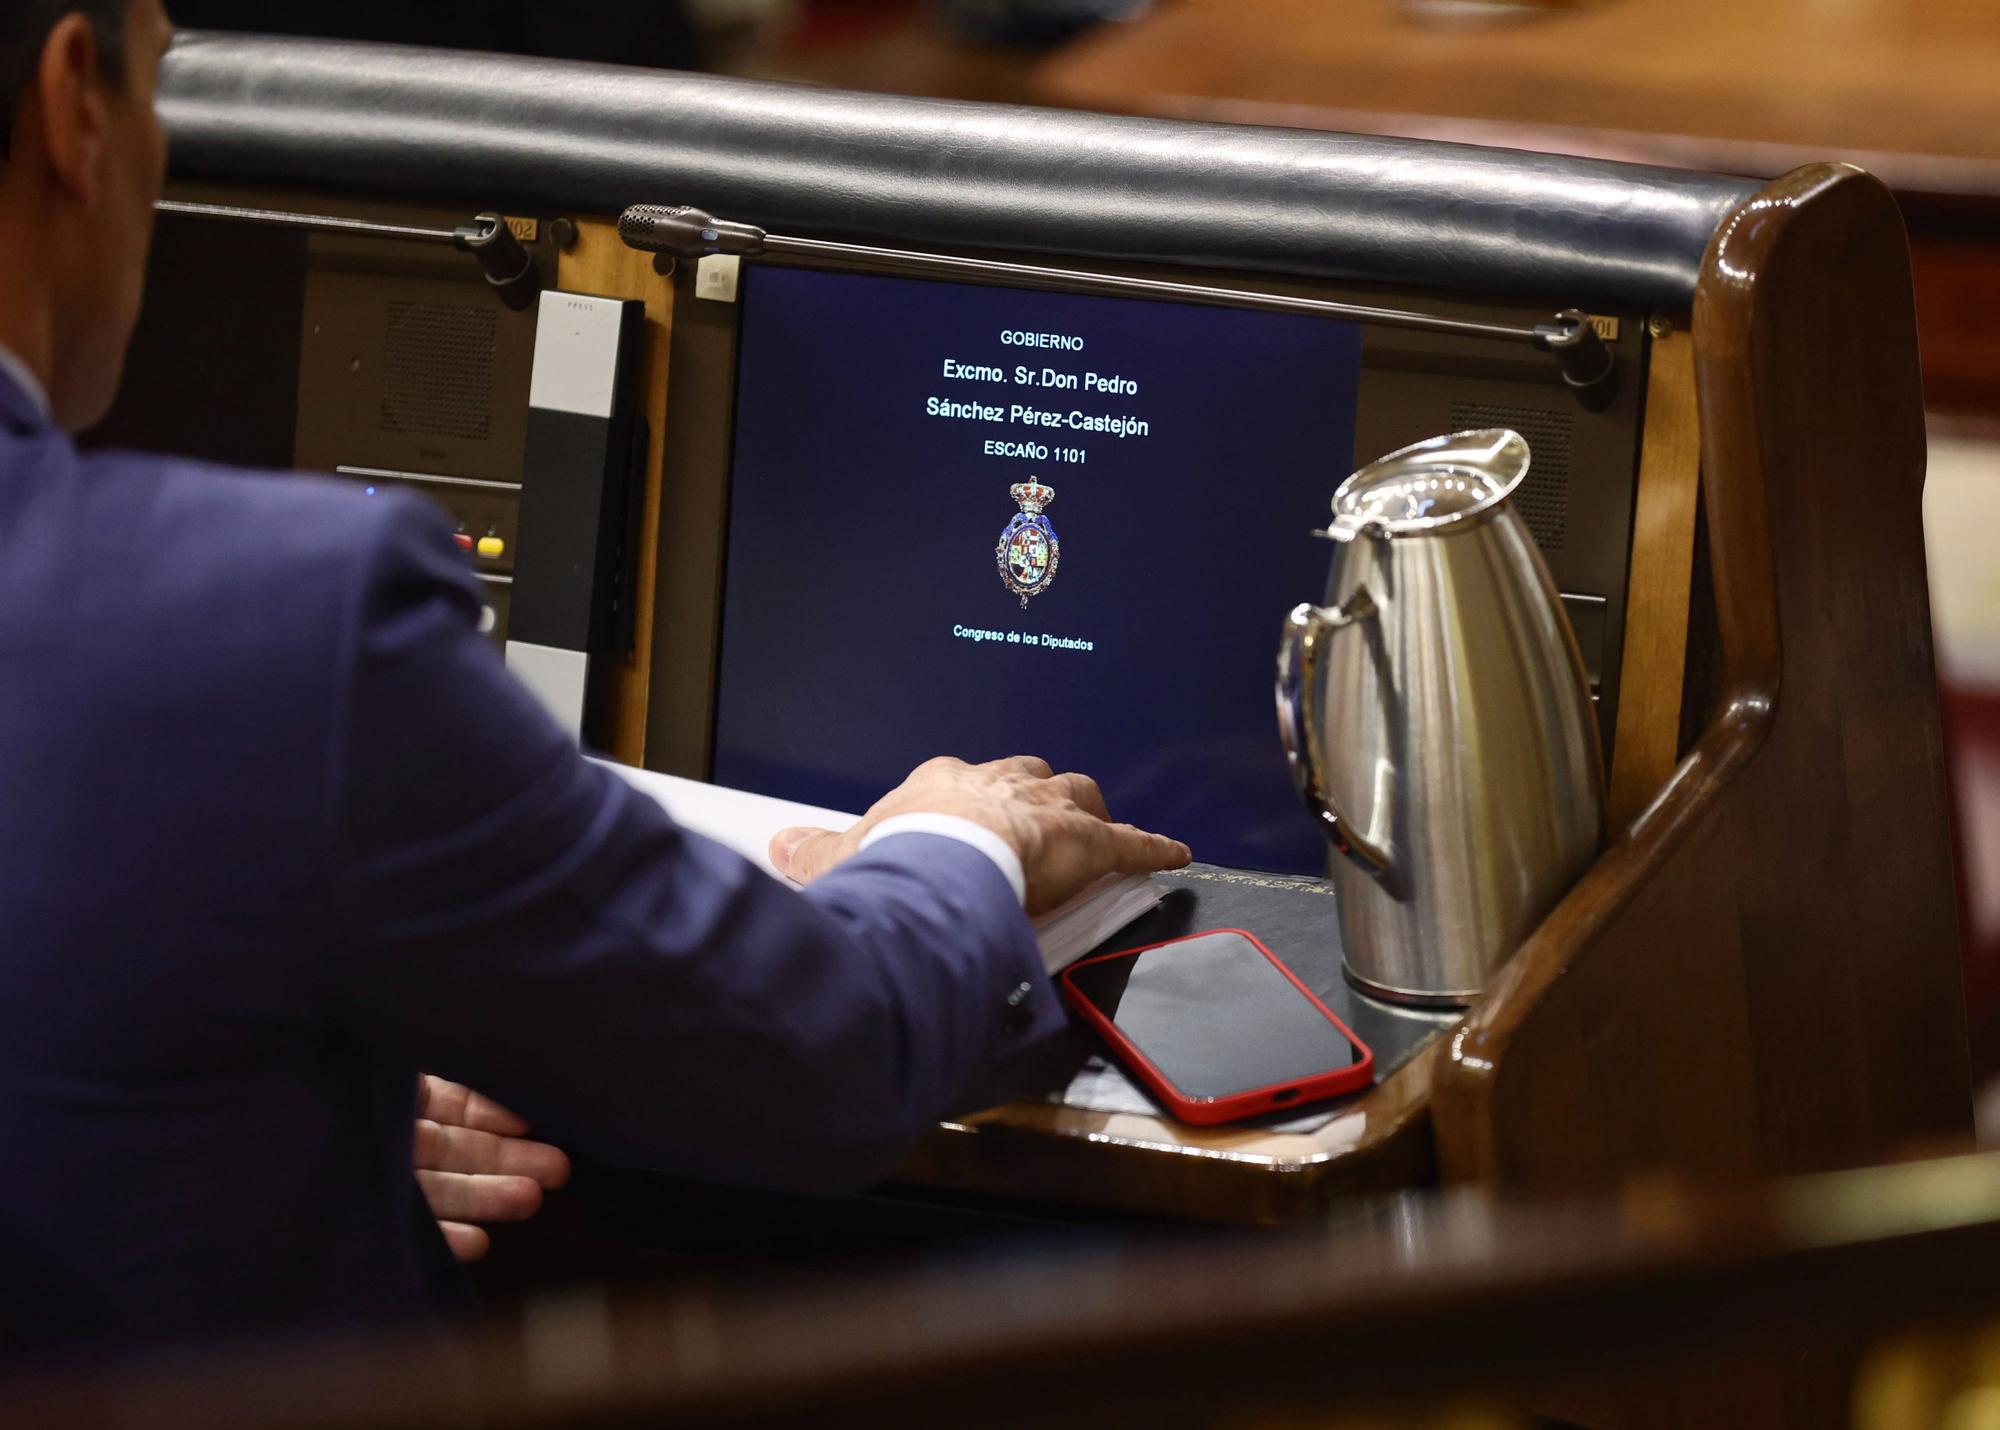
24	29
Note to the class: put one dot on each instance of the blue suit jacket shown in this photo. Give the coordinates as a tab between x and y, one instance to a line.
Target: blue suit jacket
277	830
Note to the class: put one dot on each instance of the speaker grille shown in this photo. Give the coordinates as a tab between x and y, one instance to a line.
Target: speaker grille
1543	496
437	375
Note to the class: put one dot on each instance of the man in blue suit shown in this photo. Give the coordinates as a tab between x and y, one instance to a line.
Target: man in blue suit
277	830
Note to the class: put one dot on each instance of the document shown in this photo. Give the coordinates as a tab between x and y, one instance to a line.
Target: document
745	822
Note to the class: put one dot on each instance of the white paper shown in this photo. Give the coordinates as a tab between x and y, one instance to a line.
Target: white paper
1068	933
745	822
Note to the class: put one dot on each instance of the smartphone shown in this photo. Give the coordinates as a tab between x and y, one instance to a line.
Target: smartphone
1217	1027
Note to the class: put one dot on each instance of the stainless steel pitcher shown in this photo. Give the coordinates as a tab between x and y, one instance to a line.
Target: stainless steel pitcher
1438	721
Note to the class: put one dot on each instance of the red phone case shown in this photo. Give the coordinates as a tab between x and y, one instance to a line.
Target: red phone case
1204	1111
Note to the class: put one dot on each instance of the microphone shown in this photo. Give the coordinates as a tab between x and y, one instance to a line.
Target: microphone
686	232
1588	366
507	264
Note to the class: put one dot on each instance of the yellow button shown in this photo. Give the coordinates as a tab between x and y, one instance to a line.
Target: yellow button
490	546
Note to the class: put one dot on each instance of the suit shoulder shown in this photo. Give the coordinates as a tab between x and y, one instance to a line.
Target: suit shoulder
292	512
297	566
232	525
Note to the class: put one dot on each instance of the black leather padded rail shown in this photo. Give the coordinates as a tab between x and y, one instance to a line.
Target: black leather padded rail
499	131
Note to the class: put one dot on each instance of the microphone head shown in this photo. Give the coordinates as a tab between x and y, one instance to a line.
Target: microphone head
687	232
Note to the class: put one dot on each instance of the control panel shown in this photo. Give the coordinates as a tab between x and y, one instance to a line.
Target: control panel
412	377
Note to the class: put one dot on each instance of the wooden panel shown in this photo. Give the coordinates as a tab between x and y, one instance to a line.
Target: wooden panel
1763	974
1656	596
1948	1378
600	264
1958	312
1393	1316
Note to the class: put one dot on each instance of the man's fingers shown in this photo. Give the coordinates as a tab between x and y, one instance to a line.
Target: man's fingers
439	1099
1082	791
485	1115
1135	851
457	1105
461	1149
455	1196
805	854
467	1243
1034	765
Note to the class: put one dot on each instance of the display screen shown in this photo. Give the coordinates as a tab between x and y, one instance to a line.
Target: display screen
984	521
1214	1015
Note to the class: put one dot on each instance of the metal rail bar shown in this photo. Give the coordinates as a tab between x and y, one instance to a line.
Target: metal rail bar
322	223
1588	365
508	266
1203	293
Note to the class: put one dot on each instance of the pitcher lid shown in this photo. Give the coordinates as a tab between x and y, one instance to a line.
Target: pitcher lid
1439	482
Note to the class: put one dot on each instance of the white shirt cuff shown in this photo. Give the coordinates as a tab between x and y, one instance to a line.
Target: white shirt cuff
951	826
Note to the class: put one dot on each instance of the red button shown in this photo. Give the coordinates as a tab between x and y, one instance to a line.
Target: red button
463	539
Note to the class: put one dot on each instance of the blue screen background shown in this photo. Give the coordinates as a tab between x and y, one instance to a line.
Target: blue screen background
862	531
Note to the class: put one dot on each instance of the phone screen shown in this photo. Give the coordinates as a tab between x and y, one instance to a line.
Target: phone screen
1215	1015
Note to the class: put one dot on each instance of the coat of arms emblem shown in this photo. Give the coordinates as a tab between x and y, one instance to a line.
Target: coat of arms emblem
1028	549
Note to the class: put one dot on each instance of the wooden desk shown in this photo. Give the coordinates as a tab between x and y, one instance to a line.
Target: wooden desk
1760	973
1904	87
1784	903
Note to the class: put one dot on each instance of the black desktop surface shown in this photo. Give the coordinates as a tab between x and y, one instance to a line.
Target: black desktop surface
1293	916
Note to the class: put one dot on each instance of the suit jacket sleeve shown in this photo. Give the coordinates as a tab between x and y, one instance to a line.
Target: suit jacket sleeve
506	913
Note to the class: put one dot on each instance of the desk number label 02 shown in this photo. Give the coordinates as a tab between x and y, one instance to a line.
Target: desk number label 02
1028	549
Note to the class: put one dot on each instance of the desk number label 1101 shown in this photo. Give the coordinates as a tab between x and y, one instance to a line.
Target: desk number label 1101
1073	455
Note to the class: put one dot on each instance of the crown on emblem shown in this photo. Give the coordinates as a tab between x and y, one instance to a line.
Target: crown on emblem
1032	496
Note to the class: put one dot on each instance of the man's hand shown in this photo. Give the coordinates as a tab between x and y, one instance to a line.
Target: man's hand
476	1165
1057	824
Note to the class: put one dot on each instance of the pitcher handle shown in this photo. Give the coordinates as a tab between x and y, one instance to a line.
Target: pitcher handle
1299	724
